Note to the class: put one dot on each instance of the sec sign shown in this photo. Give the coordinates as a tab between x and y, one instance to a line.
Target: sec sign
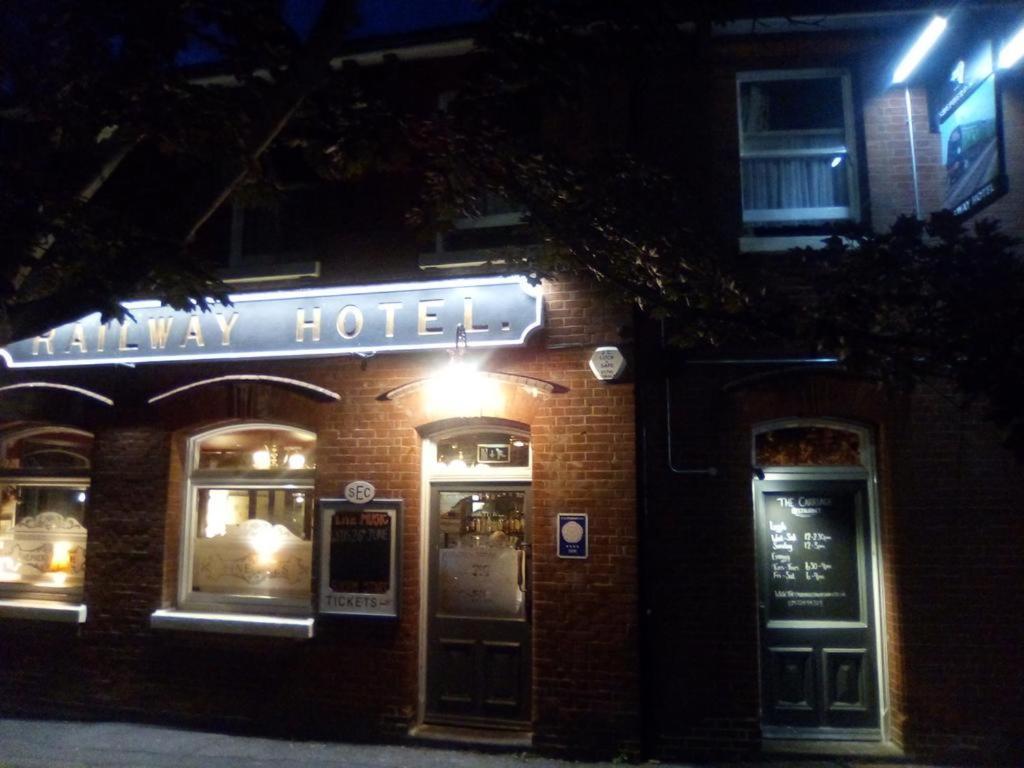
360	492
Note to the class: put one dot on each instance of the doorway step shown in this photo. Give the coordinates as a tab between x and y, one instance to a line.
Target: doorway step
868	751
485	739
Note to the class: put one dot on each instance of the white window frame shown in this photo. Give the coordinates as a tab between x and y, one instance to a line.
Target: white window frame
777	217
430	473
32	601
197	480
434	472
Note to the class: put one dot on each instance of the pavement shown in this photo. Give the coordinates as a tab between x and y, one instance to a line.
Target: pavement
63	744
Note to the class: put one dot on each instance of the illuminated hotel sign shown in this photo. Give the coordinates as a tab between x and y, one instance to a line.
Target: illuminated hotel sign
495	312
967	115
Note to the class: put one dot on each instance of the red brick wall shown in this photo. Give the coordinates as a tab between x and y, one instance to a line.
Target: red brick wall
950	535
955	558
355	678
888	157
952	568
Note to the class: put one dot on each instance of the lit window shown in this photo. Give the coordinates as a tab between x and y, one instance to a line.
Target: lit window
483	451
808	446
797	148
44	489
249	519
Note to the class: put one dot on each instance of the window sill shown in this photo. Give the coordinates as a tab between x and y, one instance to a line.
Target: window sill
491	220
263	273
769	244
233	624
43	610
477	257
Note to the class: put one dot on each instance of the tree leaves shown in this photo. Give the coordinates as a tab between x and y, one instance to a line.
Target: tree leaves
928	300
86	85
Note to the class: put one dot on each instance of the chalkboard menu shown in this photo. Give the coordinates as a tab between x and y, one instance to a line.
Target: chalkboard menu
359	557
811	556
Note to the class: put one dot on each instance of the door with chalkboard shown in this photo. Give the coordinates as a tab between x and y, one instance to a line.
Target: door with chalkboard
478	631
817	608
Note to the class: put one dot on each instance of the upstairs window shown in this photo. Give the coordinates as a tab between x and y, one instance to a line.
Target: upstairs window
249	520
44	489
797	149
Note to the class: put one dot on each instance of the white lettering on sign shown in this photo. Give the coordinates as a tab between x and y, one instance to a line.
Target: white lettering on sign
495	311
360	492
607	363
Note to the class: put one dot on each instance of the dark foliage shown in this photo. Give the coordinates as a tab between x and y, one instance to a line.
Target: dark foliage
928	300
547	115
90	90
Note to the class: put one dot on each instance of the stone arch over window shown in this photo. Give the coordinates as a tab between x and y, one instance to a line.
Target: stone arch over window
463	393
310	390
56	387
42	403
194	405
45	473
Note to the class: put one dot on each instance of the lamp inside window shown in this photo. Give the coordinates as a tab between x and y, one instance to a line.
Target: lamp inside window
251	517
259	449
44	483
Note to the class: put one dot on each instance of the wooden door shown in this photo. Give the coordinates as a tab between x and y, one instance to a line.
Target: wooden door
478	632
819	664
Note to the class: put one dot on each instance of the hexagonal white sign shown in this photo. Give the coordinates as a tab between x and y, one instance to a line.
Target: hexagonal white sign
607	363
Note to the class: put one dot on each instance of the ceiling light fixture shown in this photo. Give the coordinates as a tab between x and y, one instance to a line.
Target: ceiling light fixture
919	49
1012	51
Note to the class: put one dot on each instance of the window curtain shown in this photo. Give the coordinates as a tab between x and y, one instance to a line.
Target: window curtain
781	182
808	182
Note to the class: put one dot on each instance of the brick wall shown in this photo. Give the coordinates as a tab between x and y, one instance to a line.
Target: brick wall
954	548
355	678
700	644
950	535
954	649
889	166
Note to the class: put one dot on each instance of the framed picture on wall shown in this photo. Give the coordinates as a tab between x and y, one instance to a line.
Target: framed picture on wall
492	453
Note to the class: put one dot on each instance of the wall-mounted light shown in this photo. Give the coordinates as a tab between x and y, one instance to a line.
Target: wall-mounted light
459	388
1012	50
837	161
919	50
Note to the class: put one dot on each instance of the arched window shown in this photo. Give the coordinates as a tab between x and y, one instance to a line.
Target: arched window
44	487
484	450
248	522
806	444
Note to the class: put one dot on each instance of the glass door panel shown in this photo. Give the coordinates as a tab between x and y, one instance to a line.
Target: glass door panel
478	631
481	565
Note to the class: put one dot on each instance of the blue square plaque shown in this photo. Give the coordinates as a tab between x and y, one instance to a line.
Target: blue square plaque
572	536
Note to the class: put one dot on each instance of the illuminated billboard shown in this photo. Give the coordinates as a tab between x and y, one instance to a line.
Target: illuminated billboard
970	132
